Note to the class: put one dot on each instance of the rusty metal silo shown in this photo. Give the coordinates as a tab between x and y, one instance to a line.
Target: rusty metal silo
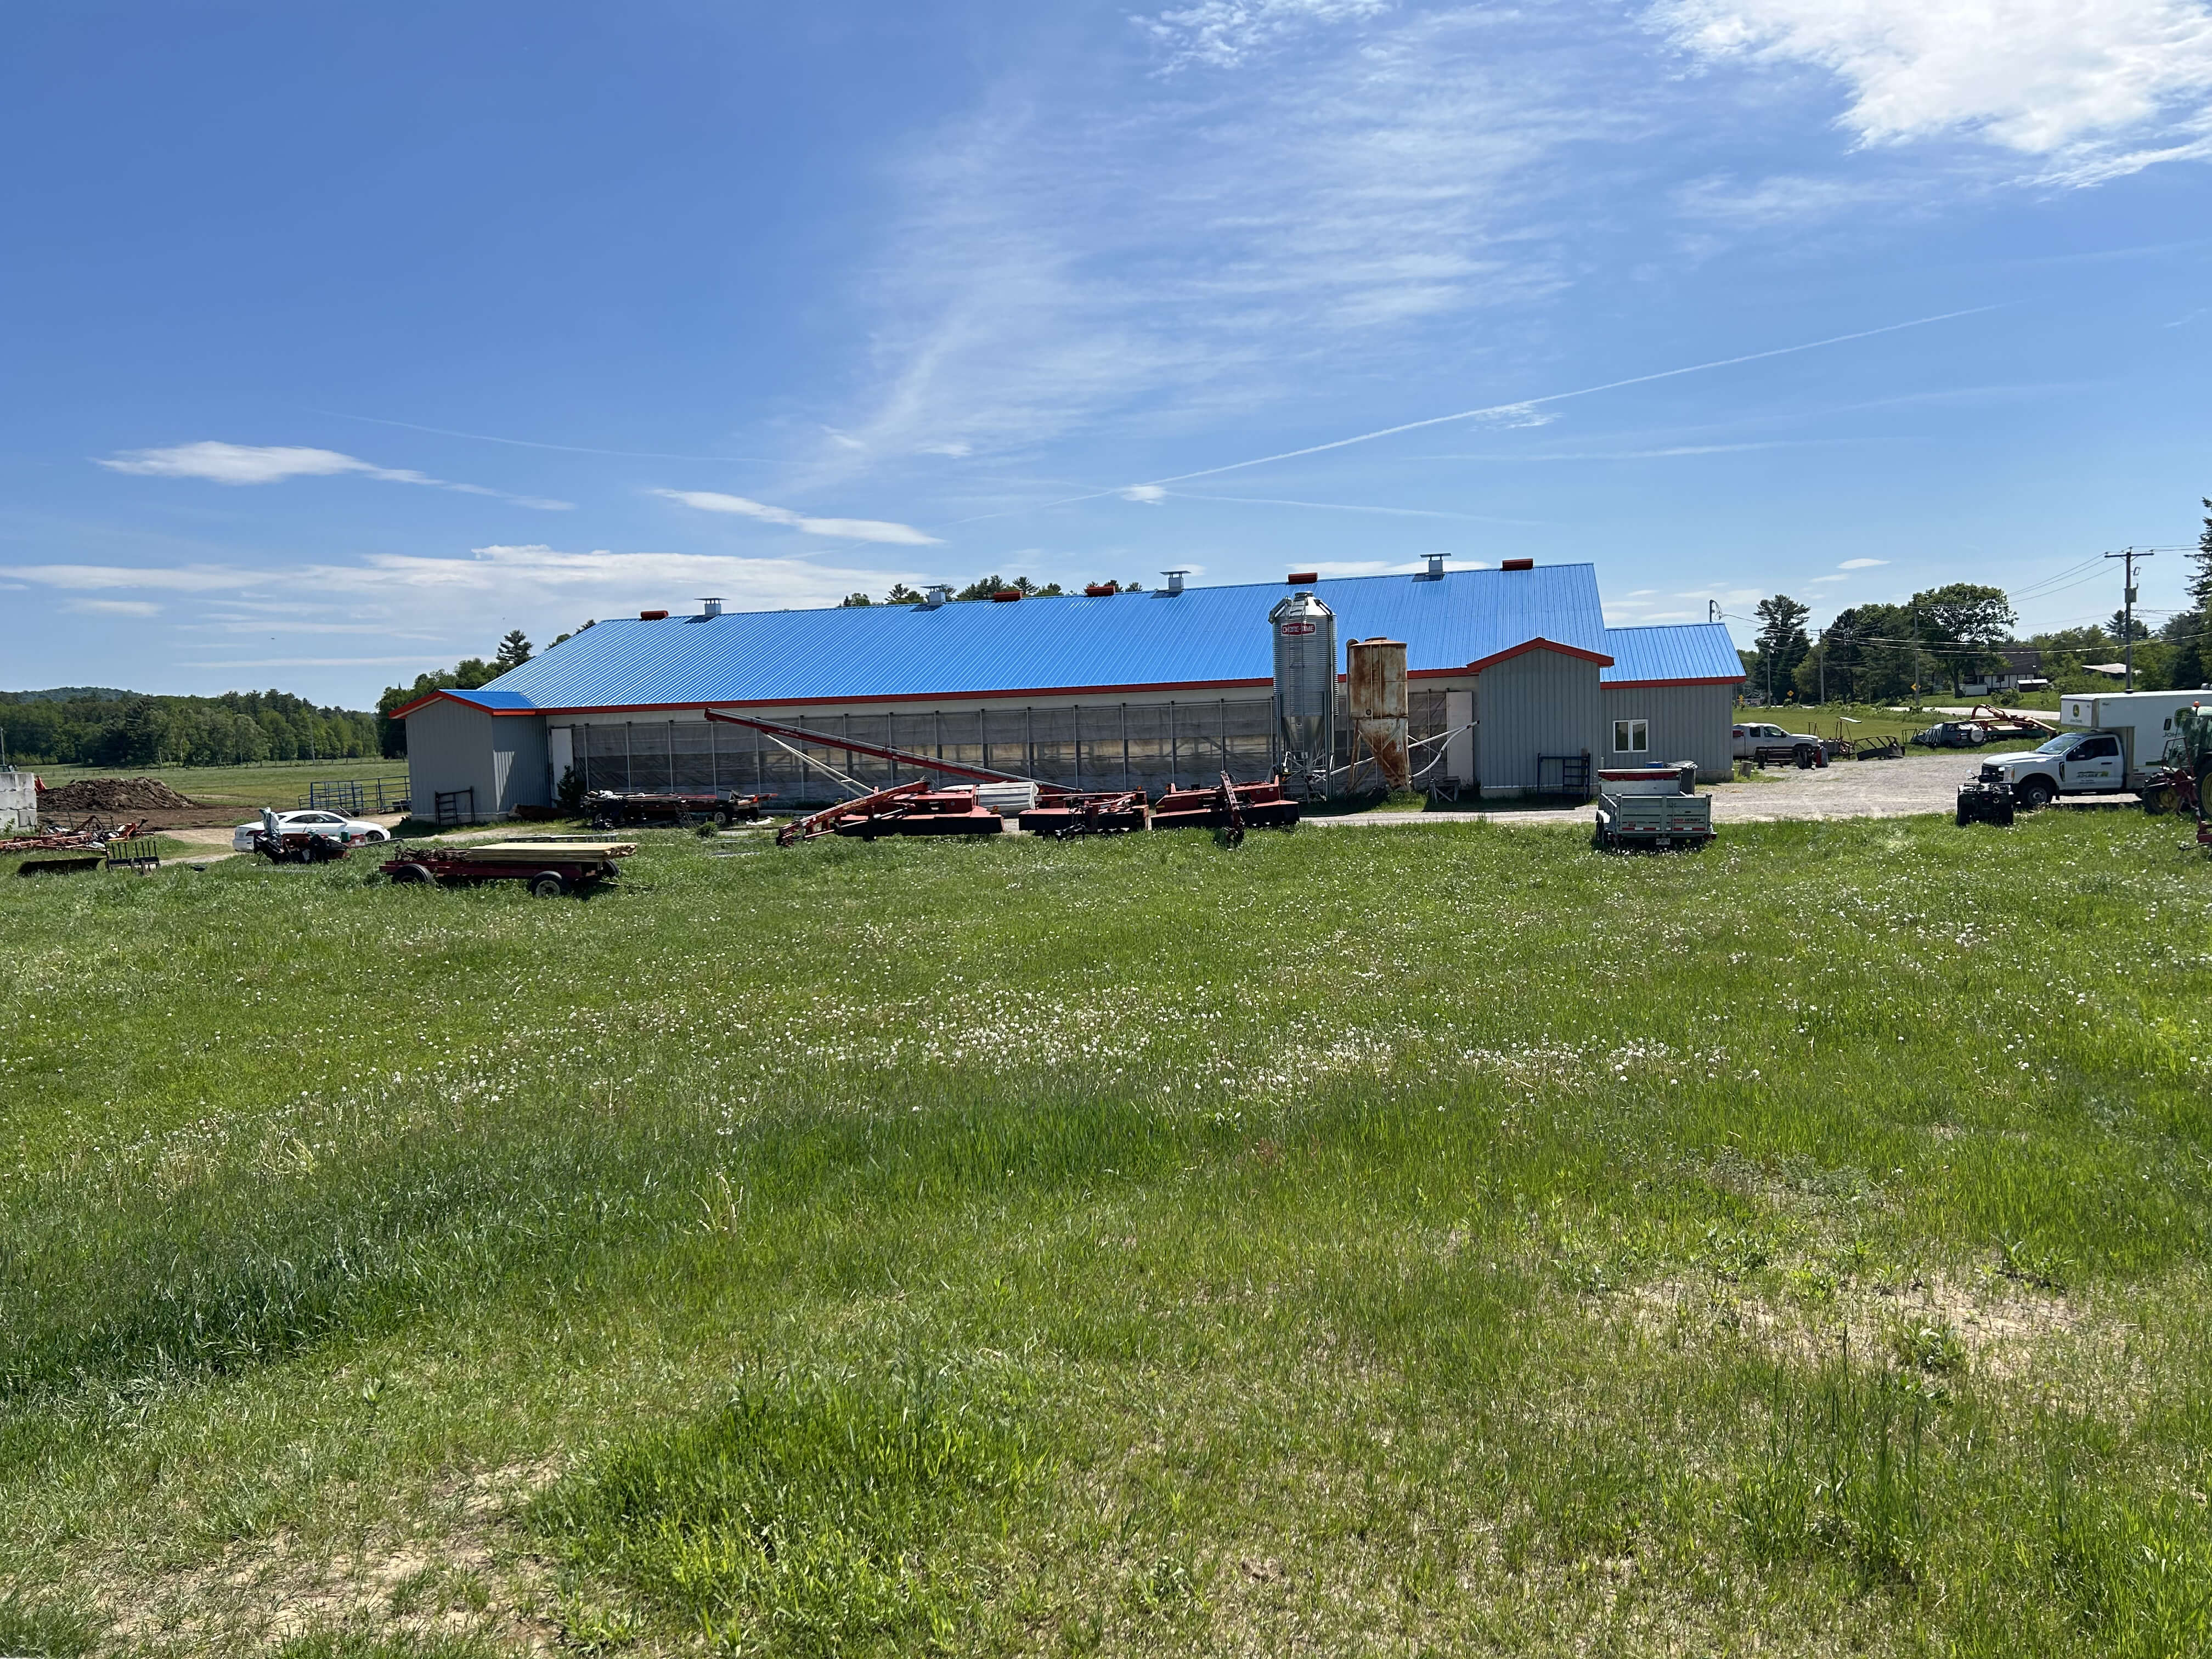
1305	687
1376	696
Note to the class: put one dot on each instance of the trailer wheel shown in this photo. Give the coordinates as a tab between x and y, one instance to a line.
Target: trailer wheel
1803	756
412	875
548	884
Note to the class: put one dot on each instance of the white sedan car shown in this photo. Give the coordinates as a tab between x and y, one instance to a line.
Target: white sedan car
336	825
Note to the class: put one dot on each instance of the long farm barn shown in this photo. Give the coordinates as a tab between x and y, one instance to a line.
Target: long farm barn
1514	668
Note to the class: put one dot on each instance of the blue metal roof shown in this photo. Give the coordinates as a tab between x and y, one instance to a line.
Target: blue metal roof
1688	651
1201	636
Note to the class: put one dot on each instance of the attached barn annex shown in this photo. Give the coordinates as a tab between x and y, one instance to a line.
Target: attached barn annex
1137	689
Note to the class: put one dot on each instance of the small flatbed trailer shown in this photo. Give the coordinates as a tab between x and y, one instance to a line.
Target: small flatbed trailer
1228	806
550	868
610	809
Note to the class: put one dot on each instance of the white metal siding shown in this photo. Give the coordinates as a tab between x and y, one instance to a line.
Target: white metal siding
1687	722
1540	702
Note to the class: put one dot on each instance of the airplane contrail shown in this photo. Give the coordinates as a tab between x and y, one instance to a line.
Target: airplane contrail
1498	409
1561	397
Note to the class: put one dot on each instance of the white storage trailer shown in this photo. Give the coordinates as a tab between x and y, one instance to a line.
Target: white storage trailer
2142	721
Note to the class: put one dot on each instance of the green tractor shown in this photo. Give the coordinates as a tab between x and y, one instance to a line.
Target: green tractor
2183	777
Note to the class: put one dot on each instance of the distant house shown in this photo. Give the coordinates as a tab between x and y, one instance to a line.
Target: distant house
2022	671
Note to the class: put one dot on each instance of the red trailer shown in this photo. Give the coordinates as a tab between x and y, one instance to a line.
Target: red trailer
550	867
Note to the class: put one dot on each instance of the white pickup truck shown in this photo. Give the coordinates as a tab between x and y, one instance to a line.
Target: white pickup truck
2114	743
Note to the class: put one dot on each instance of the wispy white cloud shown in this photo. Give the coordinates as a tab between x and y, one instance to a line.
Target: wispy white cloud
851	529
2099	86
113	607
253	463
489	577
1088	253
1226	34
1860	564
1816	580
177	578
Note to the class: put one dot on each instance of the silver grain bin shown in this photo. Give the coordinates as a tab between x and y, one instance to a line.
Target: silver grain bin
1305	688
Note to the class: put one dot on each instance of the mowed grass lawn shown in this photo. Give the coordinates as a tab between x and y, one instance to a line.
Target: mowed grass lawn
1438	1240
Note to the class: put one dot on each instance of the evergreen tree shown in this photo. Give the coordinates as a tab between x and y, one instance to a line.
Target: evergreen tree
1782	642
2192	665
513	652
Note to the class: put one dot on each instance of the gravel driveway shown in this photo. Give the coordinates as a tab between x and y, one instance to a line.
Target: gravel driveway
1846	789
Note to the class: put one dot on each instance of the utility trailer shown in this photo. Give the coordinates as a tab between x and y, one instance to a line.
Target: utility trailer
610	809
1652	809
549	868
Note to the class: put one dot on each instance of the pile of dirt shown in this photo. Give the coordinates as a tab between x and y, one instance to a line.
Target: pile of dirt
114	795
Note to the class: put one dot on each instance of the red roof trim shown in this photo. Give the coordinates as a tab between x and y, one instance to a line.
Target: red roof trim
1643	685
402	712
1540	643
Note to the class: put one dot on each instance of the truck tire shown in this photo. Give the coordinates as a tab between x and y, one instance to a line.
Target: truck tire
548	884
2036	795
412	875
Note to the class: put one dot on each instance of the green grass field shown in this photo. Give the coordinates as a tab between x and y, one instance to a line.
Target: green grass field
1440	1240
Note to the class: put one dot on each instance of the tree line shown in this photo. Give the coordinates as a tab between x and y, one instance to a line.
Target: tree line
1944	636
102	726
983	588
467	675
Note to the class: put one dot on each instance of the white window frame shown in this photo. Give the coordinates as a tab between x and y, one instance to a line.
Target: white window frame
1639	733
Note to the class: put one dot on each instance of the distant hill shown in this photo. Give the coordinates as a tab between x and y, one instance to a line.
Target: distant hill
101	726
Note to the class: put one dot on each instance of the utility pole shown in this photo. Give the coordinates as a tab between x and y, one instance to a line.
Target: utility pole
2128	607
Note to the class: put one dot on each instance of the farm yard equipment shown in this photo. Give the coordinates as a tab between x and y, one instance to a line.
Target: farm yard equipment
610	809
915	809
1983	802
1065	817
284	843
550	868
1651	809
87	847
905	809
1229	806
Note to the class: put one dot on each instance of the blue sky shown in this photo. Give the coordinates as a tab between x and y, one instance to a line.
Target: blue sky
340	338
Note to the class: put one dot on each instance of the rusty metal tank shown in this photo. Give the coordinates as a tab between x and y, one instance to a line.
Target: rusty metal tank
1375	700
1305	630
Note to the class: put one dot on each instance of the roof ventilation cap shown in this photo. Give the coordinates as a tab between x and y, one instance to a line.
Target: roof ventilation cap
935	594
1303	578
1436	566
1174	580
714	607
1517	564
1006	596
652	616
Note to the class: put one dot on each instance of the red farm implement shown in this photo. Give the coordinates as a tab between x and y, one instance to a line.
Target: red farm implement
1228	806
1067	815
917	809
549	868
